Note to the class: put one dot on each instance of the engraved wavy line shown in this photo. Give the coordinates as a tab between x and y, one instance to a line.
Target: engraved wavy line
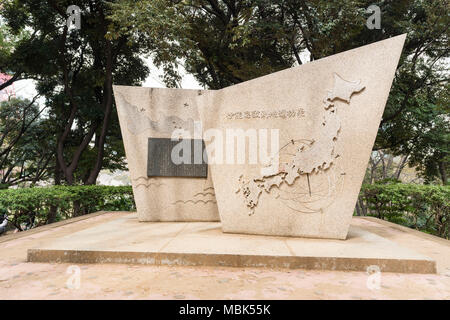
194	202
150	184
205	194
141	177
147	183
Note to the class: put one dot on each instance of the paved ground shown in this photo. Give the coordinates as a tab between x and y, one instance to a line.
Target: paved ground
22	280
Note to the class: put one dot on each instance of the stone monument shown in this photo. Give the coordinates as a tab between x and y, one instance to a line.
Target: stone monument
148	118
327	113
287	152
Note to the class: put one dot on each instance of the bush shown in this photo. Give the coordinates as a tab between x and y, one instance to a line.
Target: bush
422	207
32	207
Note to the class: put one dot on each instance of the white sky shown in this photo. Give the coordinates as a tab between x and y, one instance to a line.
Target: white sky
154	79
26	88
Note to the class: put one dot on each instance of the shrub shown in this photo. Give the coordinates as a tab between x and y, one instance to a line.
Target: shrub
422	207
31	207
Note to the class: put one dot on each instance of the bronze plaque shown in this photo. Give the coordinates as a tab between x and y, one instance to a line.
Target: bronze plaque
160	162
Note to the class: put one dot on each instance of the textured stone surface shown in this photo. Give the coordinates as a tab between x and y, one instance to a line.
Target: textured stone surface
155	113
125	240
327	113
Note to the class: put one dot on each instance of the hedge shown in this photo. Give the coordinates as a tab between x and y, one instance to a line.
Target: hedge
423	207
32	207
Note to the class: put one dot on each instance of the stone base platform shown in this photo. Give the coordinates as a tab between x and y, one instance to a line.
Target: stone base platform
125	240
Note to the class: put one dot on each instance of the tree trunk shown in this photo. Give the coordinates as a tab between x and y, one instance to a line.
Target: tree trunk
442	172
401	166
358	210
51	217
76	209
362	206
107	105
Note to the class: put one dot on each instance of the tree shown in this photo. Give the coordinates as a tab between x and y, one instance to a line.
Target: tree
383	166
224	42
220	42
431	149
24	156
75	70
13	44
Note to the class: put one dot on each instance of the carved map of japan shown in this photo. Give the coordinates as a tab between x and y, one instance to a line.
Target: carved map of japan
326	114
310	158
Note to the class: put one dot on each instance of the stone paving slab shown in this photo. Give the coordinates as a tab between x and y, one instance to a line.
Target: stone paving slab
126	240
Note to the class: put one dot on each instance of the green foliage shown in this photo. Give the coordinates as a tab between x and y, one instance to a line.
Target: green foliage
25	146
221	43
224	42
74	71
431	149
32	207
422	207
11	39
